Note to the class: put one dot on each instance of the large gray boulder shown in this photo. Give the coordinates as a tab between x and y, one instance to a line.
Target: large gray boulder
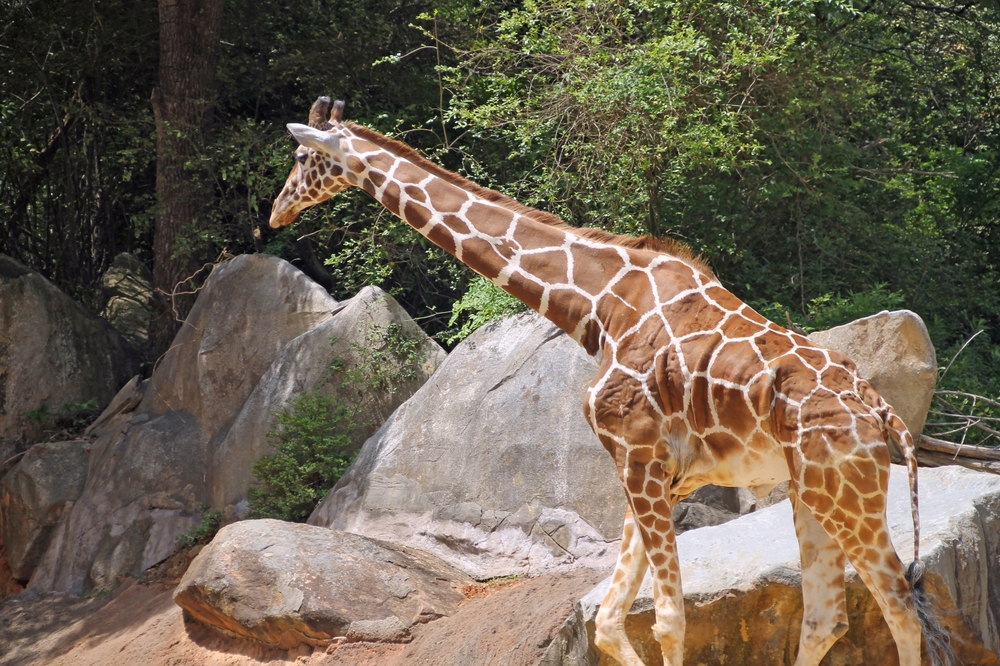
286	583
742	582
149	474
53	353
33	497
249	309
304	364
894	353
491	466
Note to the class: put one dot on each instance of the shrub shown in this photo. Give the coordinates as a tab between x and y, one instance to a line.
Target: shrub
315	431
311	454
204	531
481	304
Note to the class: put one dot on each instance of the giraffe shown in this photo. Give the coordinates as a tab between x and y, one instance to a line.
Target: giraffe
693	387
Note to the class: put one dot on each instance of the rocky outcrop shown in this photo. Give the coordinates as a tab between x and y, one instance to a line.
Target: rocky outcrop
894	353
34	495
742	595
249	309
53	353
490	465
258	334
148	476
370	319
128	288
285	584
121	408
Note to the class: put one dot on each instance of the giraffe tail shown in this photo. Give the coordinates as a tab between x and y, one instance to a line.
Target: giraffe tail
898	430
938	640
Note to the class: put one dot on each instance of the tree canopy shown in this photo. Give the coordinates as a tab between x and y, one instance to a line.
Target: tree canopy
829	158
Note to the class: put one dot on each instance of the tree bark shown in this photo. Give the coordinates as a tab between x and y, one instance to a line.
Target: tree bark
189	35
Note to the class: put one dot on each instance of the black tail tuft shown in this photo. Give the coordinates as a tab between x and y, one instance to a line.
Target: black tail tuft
938	642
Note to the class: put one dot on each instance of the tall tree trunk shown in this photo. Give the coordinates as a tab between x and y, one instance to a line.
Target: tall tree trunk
189	35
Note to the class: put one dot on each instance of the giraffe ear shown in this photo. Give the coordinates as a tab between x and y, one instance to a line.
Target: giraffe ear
309	137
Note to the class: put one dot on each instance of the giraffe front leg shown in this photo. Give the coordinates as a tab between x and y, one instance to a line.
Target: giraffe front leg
824	603
609	634
668	597
648	491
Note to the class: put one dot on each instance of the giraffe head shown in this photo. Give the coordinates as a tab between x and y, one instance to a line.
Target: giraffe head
318	173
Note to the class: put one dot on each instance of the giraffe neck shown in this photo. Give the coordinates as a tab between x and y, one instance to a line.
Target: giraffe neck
550	267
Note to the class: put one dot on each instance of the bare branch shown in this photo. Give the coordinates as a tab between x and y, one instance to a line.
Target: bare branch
973	396
893	171
950	448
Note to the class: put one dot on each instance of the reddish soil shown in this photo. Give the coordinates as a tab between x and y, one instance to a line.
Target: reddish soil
508	621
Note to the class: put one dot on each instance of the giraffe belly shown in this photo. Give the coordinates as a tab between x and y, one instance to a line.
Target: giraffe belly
759	465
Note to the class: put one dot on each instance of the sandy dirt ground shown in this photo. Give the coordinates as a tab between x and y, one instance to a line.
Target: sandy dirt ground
511	622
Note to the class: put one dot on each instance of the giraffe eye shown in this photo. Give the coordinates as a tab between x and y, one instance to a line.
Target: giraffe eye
302	158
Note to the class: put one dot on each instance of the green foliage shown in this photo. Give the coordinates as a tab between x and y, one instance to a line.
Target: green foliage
68	421
77	149
40	415
99	593
314	438
831	310
482	303
631	95
204	531
372	247
275	61
808	150
386	358
311	453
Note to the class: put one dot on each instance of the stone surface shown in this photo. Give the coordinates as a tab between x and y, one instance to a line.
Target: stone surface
286	583
742	583
258	334
33	497
128	288
149	474
492	467
250	308
304	365
120	409
53	353
507	623
894	353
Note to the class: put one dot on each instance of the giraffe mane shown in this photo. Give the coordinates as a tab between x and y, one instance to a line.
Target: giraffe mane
668	246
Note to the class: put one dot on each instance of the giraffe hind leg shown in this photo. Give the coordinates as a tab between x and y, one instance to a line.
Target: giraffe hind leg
609	634
858	525
824	603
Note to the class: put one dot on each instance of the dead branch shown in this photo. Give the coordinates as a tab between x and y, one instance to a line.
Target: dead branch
855	171
954	450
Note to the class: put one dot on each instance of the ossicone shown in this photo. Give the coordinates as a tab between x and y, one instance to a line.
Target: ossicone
337	114
317	114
